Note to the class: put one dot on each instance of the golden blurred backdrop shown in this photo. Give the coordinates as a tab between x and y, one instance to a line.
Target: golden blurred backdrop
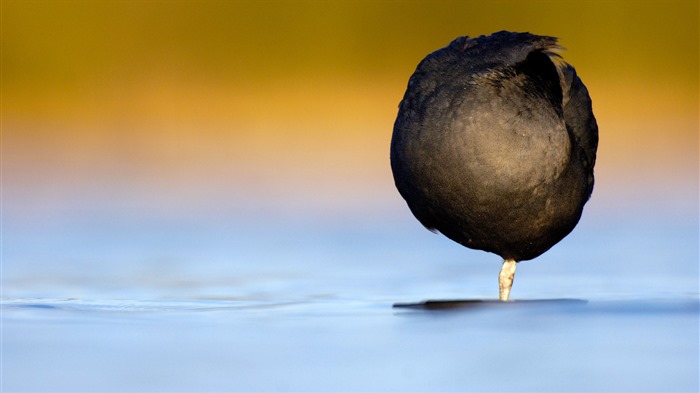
181	107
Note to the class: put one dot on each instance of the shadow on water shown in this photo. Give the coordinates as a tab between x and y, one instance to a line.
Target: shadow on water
563	308
481	303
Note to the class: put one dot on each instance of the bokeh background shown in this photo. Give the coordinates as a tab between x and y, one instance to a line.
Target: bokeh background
132	127
196	196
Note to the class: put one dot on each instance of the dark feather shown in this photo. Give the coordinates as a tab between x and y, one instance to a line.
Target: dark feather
495	142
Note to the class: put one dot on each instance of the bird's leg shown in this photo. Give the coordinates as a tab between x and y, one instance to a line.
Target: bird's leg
505	279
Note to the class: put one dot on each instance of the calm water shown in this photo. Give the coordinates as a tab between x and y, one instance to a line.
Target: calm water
290	304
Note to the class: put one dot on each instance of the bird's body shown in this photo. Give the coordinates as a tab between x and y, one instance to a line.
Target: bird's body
494	144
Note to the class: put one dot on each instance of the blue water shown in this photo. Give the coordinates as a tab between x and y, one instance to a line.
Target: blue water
247	304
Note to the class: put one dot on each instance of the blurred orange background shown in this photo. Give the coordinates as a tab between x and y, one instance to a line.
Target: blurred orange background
174	108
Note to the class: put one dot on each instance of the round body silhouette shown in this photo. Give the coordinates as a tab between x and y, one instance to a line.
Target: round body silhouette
494	144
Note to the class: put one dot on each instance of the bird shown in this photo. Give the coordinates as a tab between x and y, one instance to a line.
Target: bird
494	146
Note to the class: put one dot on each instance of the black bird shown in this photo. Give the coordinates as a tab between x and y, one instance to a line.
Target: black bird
494	146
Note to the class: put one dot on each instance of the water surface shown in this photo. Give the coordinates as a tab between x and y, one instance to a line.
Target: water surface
307	306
